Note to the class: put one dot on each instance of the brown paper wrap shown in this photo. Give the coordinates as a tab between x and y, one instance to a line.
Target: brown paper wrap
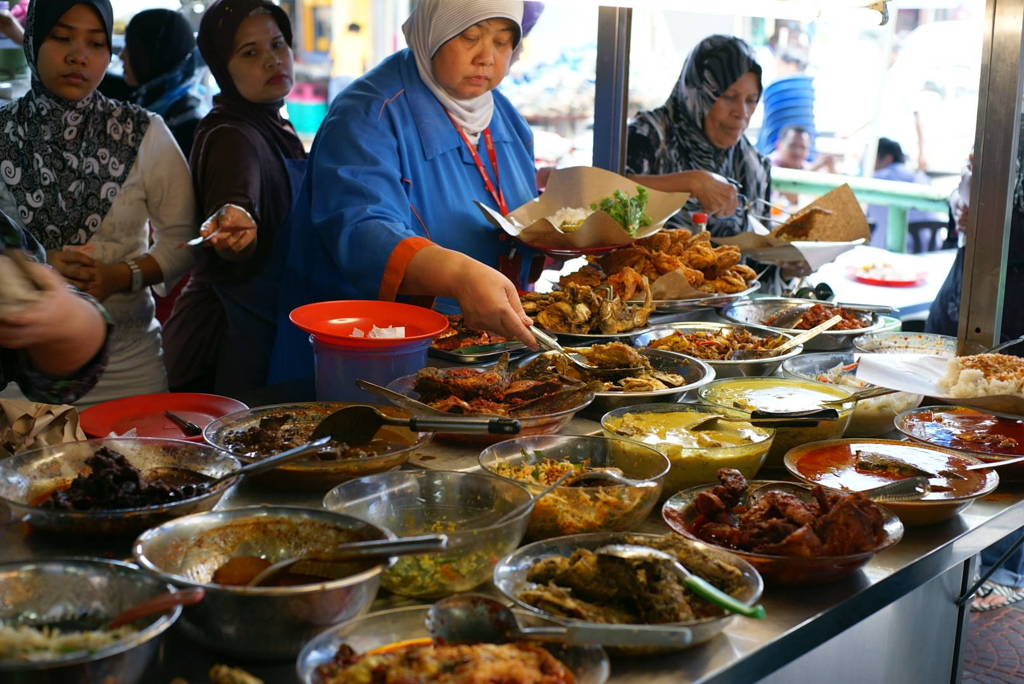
28	425
579	187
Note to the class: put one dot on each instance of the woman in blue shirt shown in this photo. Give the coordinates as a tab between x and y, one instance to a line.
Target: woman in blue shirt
386	208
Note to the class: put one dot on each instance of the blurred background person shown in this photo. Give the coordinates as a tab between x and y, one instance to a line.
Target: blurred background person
891	164
160	66
695	142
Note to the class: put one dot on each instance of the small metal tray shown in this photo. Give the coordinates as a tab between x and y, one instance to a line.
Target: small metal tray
511	348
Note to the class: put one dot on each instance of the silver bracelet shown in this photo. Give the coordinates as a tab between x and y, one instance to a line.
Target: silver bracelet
133	266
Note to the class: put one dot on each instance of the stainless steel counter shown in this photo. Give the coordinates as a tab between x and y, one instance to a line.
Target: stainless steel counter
894	617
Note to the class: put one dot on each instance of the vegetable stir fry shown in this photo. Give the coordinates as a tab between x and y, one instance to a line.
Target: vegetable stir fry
631	212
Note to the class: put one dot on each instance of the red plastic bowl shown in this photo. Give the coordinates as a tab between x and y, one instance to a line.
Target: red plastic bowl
333	322
145	413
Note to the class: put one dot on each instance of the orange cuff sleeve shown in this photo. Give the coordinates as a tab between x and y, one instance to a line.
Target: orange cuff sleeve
399	260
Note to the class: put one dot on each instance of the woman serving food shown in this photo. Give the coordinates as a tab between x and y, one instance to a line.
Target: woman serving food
387	205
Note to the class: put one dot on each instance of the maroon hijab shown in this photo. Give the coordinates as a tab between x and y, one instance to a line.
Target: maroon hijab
255	177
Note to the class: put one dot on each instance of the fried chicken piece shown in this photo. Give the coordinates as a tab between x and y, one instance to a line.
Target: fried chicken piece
700	255
617	316
634	257
626	283
557	600
588	275
854	524
727	256
803	543
664	263
744	271
615	355
661	241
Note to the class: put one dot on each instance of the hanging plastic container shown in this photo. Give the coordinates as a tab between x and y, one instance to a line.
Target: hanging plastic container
344	351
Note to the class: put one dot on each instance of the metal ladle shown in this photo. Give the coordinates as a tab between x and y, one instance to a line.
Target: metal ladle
907	489
475	618
358	424
579	360
186	476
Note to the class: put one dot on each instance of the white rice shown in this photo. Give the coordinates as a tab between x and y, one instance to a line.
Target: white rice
984	375
31	644
572	215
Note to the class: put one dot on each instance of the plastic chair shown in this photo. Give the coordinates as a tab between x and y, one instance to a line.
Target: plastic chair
926	236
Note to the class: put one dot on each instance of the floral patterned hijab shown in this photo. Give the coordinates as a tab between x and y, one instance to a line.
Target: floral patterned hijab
64	160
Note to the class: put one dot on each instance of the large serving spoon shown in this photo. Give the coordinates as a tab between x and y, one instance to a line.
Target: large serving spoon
604	476
579	360
995	464
698	585
408	403
358	424
475	618
907	489
1003	345
749	354
194	477
375	548
158	604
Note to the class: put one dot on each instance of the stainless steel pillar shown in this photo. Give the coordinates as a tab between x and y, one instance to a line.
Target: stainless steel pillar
612	89
995	168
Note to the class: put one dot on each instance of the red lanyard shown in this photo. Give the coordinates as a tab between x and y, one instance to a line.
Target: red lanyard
494	188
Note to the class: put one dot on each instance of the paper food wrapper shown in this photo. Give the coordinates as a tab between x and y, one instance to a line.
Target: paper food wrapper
674	285
30	425
772	250
813	237
920	374
579	187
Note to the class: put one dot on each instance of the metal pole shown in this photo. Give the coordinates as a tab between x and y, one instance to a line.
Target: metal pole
995	167
612	90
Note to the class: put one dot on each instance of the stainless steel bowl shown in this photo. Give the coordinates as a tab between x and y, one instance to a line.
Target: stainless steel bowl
265	623
757	311
38	593
589	664
725	369
484	517
510	579
313	473
695	372
906	343
28	477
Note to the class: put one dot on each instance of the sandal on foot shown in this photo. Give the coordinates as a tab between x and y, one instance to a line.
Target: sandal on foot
1011	594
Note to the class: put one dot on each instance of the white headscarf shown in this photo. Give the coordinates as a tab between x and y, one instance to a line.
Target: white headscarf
435	22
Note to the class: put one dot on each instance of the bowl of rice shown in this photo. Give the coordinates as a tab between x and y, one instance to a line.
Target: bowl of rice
871	417
53	615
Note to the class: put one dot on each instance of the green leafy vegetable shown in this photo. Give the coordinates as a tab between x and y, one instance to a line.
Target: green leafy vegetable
630	212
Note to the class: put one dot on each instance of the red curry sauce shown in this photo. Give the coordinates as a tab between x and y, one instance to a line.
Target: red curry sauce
967	429
835	465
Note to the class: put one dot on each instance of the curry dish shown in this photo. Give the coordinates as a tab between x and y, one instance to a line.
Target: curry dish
779	523
424	661
968	429
609	589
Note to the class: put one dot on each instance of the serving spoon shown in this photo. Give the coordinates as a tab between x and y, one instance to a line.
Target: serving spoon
698	585
358	424
475	618
194	477
907	489
374	548
158	604
749	354
579	360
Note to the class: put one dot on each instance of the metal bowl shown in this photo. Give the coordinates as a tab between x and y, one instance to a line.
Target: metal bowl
484	517
318	472
757	311
38	593
871	417
589	664
264	623
542	424
696	374
725	369
572	510
510	579
28	477
934	507
679	513
906	343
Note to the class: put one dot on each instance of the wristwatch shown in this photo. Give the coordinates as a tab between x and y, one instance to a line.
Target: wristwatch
133	266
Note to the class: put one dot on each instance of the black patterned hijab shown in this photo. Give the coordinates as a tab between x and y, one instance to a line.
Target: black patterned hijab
64	160
671	138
